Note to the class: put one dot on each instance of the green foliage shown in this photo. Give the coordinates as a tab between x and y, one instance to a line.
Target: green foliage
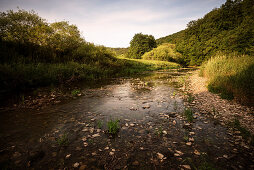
140	44
231	76
228	29
173	38
63	140
159	131
113	127
75	92
244	132
164	52
99	124
190	97
119	51
188	114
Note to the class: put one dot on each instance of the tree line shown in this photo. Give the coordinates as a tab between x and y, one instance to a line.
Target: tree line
228	30
27	38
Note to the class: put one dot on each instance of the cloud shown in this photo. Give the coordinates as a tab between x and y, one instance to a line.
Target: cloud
114	22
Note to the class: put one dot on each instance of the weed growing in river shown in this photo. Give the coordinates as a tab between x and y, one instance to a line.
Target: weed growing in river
159	131
175	106
190	98
75	92
188	113
113	126
99	124
63	140
244	132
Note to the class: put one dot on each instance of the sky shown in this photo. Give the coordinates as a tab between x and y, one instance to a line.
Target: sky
113	23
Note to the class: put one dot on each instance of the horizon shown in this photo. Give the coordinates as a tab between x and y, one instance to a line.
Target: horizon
113	23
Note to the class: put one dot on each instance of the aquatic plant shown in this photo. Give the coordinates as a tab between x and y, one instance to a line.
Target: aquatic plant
75	92
99	124
63	140
188	113
113	126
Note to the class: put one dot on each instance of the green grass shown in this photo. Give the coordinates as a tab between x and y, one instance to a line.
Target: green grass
159	131
231	76
63	140
190	97
113	127
21	76
244	132
99	124
75	92
188	113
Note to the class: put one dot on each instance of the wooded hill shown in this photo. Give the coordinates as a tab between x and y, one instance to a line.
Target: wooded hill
228	30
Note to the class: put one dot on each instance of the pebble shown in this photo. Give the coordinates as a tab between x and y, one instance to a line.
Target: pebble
96	135
82	167
76	165
135	163
196	152
191	139
16	154
68	156
186	166
160	156
174	122
85	144
188	143
107	148
164	132
111	153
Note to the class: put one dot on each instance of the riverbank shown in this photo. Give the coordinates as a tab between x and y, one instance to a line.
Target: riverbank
39	85
227	112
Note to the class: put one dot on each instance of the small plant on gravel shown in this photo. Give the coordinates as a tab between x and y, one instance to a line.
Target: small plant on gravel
99	124
186	138
190	97
188	113
113	127
174	94
244	132
175	105
63	140
75	92
159	131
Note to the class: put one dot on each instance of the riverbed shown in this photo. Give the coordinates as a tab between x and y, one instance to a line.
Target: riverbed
153	131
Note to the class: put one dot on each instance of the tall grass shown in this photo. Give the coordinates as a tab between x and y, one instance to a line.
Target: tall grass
231	76
26	75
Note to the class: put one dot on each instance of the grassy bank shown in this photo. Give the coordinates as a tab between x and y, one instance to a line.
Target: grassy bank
24	76
231	77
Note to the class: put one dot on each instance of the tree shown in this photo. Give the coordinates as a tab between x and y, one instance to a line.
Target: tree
140	44
65	37
23	27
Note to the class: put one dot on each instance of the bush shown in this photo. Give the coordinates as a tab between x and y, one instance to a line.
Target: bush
164	52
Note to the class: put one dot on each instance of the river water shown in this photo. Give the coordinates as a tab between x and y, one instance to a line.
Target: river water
153	131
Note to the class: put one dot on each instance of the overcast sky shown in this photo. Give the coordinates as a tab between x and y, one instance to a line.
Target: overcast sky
113	23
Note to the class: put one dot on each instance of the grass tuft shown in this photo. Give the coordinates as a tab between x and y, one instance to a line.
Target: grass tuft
113	127
188	113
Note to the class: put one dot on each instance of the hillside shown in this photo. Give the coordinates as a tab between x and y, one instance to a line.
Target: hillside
228	30
173	38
